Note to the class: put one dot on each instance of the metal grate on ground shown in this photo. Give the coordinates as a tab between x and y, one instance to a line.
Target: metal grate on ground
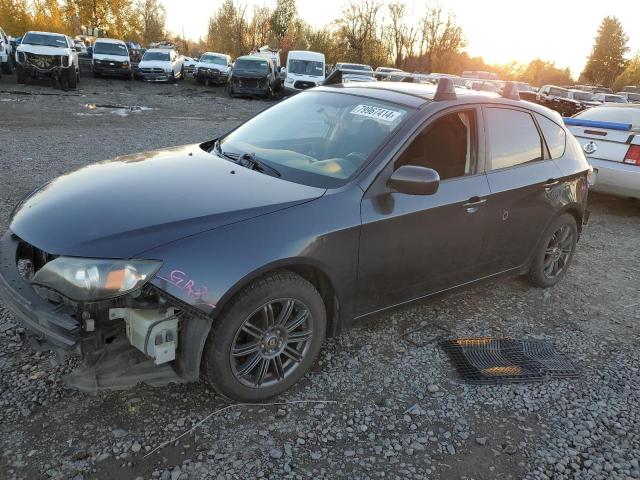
489	360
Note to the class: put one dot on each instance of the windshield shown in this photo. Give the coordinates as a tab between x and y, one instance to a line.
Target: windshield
559	92
45	40
214	59
102	48
583	96
246	65
633	97
155	56
317	138
306	67
612	114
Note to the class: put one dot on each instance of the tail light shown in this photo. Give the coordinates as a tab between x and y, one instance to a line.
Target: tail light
633	155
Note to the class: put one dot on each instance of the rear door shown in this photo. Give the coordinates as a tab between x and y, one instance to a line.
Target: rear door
523	180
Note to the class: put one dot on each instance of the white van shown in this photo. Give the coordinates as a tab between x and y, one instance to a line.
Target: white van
304	70
111	57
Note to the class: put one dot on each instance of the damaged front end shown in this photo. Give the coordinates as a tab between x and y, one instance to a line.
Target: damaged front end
38	65
126	330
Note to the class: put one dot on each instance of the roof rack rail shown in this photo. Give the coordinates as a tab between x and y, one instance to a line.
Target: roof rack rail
510	90
445	91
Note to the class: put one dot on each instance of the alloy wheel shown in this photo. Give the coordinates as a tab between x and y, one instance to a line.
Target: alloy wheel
558	251
271	343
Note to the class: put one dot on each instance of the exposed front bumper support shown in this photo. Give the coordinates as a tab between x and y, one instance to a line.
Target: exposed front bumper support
51	323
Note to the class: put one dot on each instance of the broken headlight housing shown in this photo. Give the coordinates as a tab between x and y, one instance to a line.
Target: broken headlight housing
90	279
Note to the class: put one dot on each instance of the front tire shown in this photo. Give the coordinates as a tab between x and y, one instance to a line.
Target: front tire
266	339
555	252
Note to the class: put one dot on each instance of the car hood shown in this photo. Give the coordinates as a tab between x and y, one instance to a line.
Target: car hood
305	78
249	74
122	207
42	49
155	64
110	58
213	66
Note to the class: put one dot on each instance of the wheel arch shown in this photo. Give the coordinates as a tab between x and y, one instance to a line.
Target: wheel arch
196	331
308	269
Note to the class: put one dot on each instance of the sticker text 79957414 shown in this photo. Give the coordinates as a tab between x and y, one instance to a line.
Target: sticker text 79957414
378	113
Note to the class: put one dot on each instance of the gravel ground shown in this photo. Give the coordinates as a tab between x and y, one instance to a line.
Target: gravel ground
397	409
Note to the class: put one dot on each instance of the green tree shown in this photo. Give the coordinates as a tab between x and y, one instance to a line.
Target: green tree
607	60
540	72
630	75
152	16
226	33
358	32
282	18
15	16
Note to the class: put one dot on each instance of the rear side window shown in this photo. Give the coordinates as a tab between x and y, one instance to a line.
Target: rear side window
554	135
513	138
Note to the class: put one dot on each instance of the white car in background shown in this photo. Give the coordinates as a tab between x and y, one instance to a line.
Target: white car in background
213	68
6	53
610	137
111	57
631	97
609	98
190	65
304	70
161	65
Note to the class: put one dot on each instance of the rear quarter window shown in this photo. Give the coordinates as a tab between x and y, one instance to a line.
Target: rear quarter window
554	135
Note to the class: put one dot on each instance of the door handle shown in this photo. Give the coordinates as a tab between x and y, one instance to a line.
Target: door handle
552	182
473	204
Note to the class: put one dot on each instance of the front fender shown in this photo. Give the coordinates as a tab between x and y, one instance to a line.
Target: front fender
208	269
204	270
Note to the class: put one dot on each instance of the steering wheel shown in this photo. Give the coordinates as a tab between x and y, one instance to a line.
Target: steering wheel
356	158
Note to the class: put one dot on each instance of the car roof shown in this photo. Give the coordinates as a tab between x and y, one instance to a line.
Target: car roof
305	53
419	94
254	58
634	106
110	40
47	33
158	49
215	54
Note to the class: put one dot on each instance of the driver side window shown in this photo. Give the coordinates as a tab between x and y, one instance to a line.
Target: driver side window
448	145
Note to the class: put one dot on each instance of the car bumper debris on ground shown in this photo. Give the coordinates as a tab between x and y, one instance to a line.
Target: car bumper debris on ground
389	403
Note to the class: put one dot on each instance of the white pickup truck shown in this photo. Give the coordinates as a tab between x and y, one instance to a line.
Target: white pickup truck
610	137
161	65
6	53
45	54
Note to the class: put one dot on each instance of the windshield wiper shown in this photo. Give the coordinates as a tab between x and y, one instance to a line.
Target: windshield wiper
247	160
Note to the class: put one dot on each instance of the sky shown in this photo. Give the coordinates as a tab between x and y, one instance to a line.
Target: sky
500	31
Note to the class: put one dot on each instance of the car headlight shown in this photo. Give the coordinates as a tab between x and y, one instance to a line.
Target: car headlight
90	279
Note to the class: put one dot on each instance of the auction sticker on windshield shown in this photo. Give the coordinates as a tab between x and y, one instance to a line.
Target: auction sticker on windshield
376	112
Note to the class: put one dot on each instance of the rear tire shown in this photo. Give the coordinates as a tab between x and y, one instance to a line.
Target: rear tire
72	79
275	326
20	73
555	252
7	67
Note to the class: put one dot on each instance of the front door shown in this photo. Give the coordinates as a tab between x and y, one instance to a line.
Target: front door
413	245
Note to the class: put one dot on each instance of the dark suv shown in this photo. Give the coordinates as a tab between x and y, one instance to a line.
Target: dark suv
330	207
253	75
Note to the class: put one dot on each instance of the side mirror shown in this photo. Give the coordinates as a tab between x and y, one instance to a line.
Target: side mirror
414	180
77	48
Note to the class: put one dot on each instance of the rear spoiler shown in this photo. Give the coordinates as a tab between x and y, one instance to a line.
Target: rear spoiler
577	122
